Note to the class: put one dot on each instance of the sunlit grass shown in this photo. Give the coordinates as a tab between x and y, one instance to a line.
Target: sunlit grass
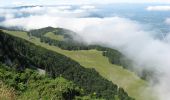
55	37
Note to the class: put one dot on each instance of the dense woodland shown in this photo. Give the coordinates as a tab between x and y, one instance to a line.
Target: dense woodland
20	54
30	85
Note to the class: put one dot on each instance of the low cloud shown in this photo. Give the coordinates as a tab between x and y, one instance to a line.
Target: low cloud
56	11
158	8
125	35
87	7
167	21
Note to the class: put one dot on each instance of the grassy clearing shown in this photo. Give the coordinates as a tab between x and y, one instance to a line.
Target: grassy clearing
134	86
55	37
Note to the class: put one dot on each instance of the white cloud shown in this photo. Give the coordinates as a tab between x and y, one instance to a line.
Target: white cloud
158	8
167	21
60	10
87	7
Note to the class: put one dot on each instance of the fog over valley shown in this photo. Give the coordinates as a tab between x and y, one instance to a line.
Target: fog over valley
141	32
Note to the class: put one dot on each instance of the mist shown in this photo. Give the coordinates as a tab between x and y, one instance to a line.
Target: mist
159	8
167	21
130	37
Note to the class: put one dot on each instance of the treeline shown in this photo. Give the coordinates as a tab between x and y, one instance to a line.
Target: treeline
114	56
22	54
57	31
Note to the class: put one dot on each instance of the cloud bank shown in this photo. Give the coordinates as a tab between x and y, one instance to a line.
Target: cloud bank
125	35
158	8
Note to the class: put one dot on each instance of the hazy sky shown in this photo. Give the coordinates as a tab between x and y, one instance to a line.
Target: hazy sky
55	2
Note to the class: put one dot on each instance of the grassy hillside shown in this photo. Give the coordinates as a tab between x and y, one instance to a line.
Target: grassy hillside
134	86
53	36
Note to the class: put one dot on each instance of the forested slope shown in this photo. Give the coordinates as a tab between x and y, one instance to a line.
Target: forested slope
21	54
30	85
